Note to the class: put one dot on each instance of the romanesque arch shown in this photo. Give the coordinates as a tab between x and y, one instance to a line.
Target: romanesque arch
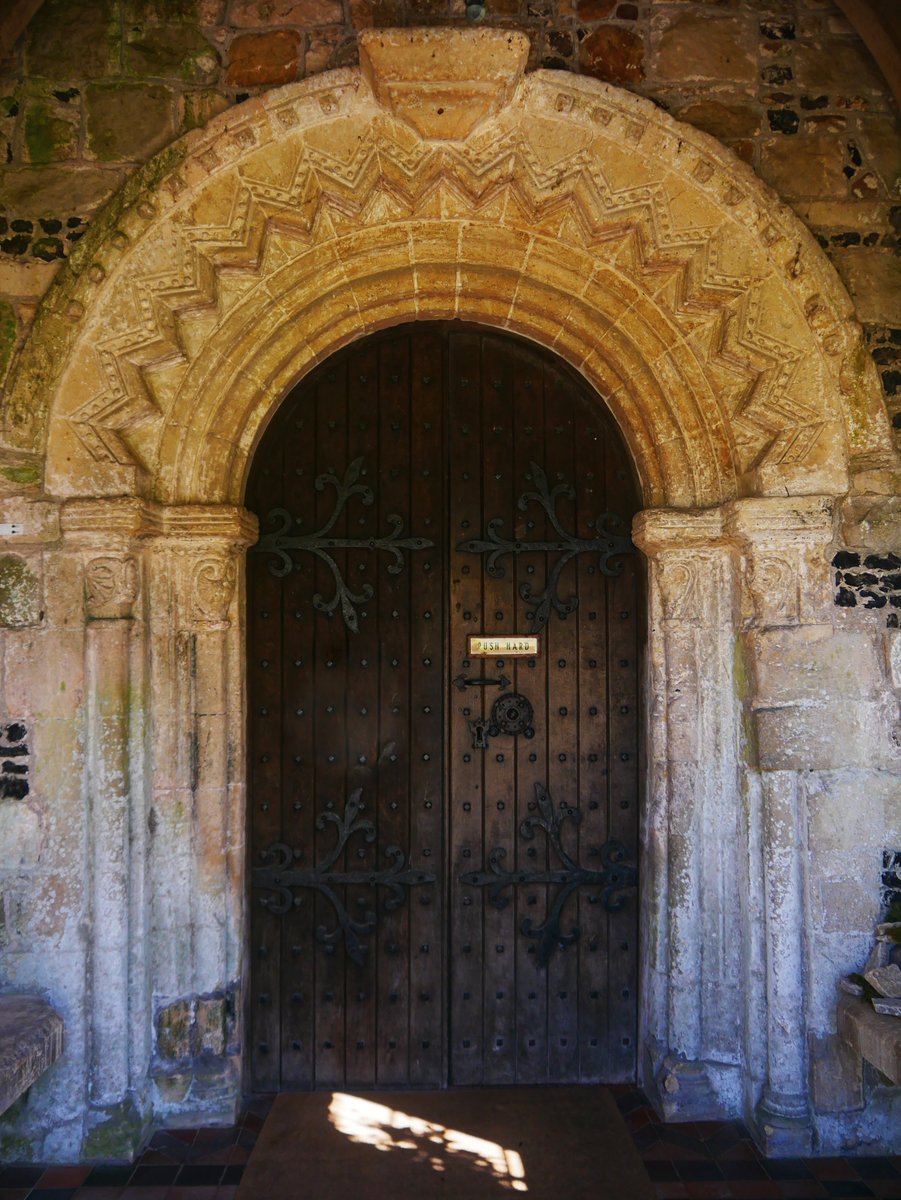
569	211
436	182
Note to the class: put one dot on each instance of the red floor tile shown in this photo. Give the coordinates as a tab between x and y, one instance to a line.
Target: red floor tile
64	1177
98	1193
670	1191
755	1189
801	1189
714	1189
832	1168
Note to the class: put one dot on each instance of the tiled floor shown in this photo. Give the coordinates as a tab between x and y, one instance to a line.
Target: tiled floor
716	1160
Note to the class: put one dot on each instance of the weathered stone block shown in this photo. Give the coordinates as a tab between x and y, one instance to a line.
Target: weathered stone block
180	51
71	39
21	834
20	591
805	166
881	149
614	54
875	1037
201	106
812	662
702	44
819	736
128	121
173	1031
873	278
50	129
724	121
31	1040
210	1025
836	67
257	59
836	1075
57	191
304	13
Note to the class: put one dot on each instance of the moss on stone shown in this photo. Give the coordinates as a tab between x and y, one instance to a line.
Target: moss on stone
8	330
23	475
48	138
73	39
172	51
118	1136
14	1147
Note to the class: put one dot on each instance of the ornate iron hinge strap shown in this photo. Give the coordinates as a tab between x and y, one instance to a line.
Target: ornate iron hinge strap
608	544
321	543
282	876
611	879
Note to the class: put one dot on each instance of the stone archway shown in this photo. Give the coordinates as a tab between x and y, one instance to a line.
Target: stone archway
567	211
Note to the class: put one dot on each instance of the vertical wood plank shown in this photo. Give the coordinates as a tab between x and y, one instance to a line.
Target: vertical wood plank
464	765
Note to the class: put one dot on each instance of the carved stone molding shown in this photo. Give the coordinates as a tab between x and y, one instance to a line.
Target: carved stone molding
111	586
679	586
443	82
212	587
322	197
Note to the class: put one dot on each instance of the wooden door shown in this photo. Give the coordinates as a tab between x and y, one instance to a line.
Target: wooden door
442	845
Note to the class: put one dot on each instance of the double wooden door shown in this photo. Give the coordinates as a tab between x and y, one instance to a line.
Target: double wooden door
442	843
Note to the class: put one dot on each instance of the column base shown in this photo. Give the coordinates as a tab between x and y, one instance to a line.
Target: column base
782	1125
683	1091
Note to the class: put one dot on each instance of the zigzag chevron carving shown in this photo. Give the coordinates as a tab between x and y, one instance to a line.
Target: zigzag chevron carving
387	176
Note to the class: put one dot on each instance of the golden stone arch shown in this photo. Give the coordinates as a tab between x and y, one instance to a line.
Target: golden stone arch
560	208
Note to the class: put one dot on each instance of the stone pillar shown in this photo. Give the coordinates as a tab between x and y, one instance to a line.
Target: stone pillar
692	978
198	801
101	534
786	609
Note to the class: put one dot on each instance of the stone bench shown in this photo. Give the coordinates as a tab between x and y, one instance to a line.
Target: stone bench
873	1036
31	1040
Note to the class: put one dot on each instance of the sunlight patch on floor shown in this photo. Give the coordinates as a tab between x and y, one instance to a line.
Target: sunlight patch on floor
377	1125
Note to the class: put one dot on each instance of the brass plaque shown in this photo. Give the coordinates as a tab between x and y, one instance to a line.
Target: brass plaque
509	645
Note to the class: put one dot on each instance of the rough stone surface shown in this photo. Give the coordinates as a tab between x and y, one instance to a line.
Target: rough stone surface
874	1036
125	121
31	1040
306	13
702	44
263	58
613	54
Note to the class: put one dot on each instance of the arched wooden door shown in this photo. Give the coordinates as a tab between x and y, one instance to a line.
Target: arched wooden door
442	844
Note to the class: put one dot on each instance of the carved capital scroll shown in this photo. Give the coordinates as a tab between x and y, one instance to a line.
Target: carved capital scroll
110	587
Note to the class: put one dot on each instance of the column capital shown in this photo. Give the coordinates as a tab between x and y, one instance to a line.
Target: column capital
657	530
780	520
127	518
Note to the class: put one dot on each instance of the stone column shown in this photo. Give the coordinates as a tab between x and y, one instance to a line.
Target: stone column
198	801
691	816
101	533
786	608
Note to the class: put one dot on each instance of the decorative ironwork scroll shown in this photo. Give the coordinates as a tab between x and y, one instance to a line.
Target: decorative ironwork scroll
321	543
607	544
281	877
611	879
